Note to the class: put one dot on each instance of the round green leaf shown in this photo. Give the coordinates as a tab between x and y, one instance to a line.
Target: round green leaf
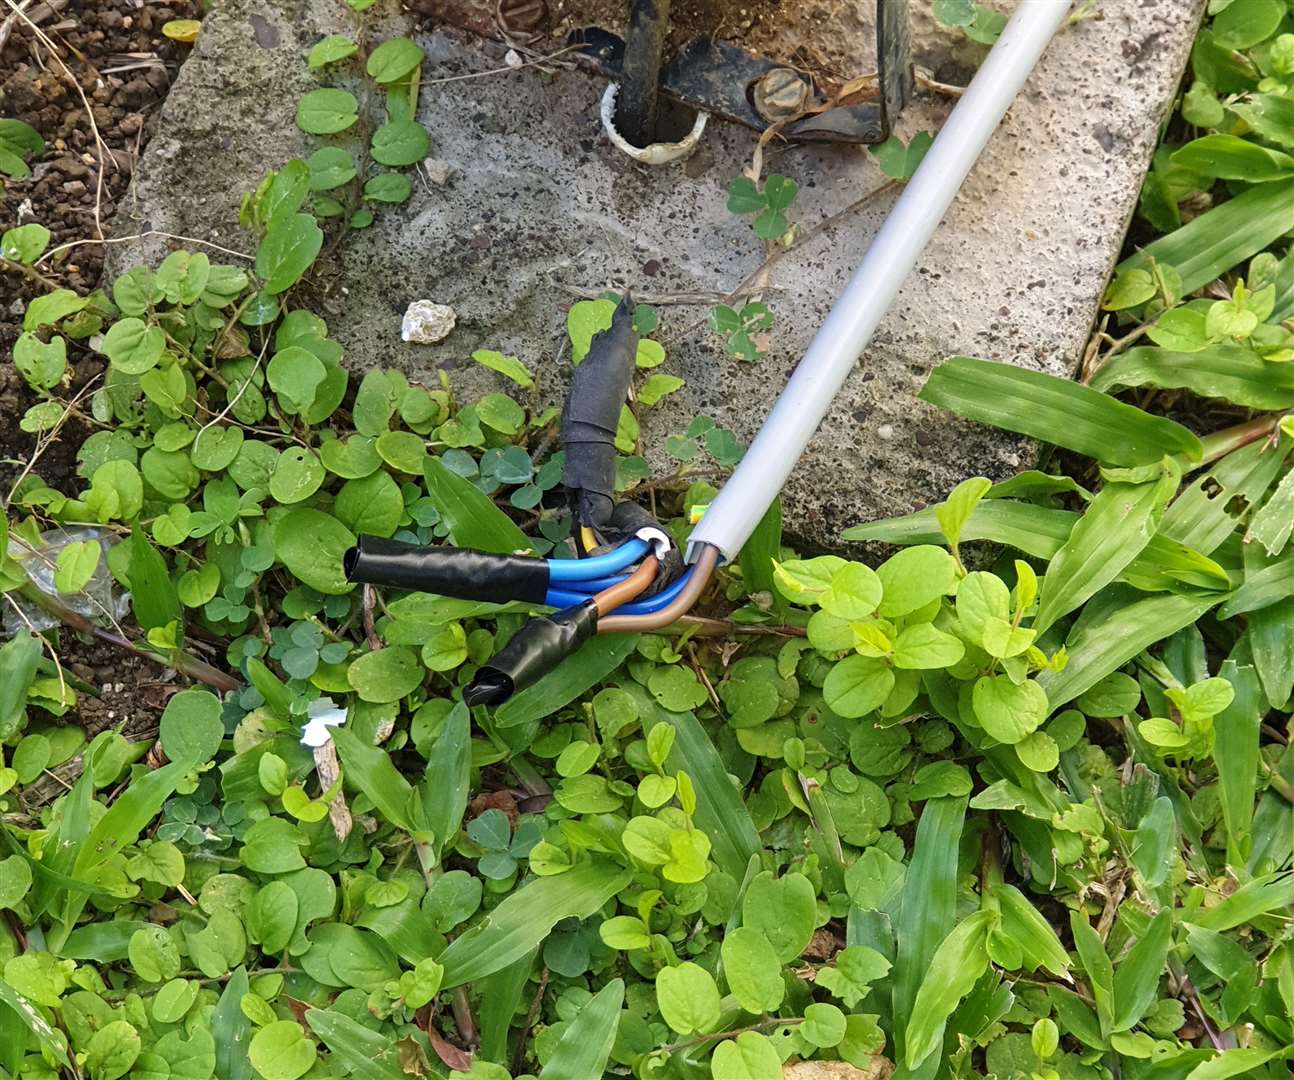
330	167
688	998
41	364
287	252
753	970
785	910
393	60
327	111
174	1000
281	1051
857	685
385	674
112	1051
388	188
824	1024
133	347
914	577
191	728
171	475
351	459
311	545
216	447
329	50
297	475
25	243
750	1056
400	142
372	505
253	465
1006	711
403	451
76	565
294	374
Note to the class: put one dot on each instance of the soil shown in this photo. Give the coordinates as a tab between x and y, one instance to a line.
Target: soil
831	39
116	52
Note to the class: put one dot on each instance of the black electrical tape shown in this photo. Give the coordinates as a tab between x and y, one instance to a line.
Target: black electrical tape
599	388
628	519
458	572
533	651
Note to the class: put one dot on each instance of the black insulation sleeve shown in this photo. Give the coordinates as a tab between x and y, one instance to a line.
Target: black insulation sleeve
599	388
458	572
627	520
532	652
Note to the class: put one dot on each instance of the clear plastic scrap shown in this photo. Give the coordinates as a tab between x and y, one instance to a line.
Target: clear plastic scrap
101	601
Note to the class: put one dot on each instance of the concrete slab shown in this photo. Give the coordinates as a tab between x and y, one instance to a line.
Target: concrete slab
539	207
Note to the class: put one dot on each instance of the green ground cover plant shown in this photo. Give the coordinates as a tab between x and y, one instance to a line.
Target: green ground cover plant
1014	800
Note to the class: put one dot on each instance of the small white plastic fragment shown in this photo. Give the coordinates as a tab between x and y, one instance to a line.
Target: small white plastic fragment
657	153
323	713
426	322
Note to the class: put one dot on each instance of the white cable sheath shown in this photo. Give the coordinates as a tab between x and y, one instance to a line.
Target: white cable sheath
839	343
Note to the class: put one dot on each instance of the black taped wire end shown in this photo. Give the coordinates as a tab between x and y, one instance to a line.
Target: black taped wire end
533	651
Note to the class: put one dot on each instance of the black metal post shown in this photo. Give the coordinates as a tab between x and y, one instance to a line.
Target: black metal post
639	94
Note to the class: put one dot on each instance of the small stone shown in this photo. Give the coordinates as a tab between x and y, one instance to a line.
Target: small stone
513	59
426	323
885	431
437	171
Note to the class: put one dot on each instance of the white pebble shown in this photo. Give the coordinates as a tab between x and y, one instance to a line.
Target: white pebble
885	431
426	323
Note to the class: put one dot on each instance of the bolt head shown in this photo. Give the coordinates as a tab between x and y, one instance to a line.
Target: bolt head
781	94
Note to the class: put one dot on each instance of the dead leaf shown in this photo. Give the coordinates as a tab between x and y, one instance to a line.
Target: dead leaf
881	1068
182	30
451	1055
494	800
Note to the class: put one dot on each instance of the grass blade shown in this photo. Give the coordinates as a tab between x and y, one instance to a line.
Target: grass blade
1273	522
958	962
499	995
448	777
33	1021
1273	649
1136	983
1056	411
1262	588
1230	372
1096	962
1040	531
364	1053
1117	524
1036	530
585	1046
473	519
1208	511
1233	1063
369	768
593	663
1248	902
1224	237
232	1030
928	909
1235	752
526	917
1114	627
757	555
18	659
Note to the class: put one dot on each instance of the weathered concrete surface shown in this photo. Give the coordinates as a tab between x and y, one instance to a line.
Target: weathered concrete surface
538	206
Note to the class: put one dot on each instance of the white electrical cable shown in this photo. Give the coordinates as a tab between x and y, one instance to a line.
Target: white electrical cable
839	343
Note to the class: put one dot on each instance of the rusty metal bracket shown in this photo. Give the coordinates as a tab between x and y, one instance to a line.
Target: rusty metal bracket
746	88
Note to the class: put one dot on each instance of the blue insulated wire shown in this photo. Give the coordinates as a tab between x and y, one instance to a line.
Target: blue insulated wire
561	598
597	566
